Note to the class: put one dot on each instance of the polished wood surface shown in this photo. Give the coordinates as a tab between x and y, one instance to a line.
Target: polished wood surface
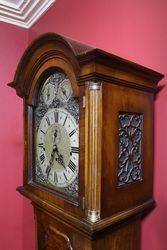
105	215
128	100
54	234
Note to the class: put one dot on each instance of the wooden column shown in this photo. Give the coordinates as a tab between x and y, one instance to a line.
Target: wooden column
94	126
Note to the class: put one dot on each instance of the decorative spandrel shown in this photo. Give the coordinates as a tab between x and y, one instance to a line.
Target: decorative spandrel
56	141
130	148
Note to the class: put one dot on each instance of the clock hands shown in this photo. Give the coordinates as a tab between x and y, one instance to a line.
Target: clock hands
64	92
55	148
59	157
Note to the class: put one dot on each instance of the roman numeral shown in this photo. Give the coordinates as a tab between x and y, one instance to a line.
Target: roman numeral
72	132
55	177
65	176
40	145
48	121
42	131
65	120
74	150
72	166
56	116
42	158
48	170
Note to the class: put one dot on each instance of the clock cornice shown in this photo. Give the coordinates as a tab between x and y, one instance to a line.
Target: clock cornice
81	57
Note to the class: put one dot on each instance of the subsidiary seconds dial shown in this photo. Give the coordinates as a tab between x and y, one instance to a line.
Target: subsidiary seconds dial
58	147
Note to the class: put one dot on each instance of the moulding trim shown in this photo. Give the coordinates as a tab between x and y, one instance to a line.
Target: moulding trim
25	13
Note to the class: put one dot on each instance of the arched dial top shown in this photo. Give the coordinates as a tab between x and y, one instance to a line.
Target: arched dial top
57	135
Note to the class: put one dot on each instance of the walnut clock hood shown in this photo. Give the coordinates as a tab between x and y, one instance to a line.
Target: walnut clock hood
88	144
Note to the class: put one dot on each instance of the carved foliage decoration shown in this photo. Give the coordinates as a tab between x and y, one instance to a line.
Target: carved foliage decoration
130	148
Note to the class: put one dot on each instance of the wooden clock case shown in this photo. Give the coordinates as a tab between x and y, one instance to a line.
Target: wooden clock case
105	215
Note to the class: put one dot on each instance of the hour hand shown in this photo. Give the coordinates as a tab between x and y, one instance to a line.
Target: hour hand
61	161
59	158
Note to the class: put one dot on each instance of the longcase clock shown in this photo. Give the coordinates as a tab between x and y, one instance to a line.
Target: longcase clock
88	144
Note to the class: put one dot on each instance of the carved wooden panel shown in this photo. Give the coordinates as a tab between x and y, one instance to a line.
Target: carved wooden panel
130	148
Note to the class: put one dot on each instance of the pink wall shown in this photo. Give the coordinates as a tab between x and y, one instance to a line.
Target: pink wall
13	41
135	30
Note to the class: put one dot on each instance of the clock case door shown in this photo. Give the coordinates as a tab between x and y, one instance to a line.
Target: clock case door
39	107
36	66
55	135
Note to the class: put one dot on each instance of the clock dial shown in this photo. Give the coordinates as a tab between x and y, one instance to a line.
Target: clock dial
49	93
58	147
57	136
49	89
65	90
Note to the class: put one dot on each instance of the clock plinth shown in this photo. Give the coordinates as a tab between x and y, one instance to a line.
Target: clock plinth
125	236
121	231
88	151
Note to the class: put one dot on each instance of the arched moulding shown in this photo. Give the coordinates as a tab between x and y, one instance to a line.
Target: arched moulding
48	52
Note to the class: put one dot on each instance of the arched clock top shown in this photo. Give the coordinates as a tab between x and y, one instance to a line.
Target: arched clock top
87	63
47	52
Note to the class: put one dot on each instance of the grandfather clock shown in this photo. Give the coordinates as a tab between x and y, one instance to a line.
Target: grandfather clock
88	144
